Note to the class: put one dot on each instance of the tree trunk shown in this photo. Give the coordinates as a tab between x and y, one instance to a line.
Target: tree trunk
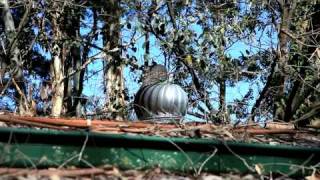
73	83
286	7
57	85
78	81
114	71
13	59
57	66
300	91
223	113
222	101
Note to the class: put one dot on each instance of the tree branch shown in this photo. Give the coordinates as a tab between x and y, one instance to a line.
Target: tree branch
264	90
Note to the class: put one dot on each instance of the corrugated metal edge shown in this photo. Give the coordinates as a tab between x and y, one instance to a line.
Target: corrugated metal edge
117	149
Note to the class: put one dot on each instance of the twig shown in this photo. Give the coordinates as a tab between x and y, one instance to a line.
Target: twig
18	89
27	158
298	168
87	163
184	153
239	157
23	96
6	86
83	146
205	161
296	39
23	22
68	160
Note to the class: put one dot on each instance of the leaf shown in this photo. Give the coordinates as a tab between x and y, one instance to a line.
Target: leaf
129	25
162	29
188	59
314	176
259	168
55	177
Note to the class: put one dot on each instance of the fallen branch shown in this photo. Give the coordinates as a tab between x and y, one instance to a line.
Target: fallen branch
51	172
142	127
266	131
9	119
82	123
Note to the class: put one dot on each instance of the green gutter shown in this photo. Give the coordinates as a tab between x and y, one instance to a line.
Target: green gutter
49	148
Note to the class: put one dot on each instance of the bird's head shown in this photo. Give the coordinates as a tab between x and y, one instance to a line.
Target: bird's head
157	73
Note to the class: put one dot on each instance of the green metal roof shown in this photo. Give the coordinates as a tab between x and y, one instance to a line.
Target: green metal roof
50	148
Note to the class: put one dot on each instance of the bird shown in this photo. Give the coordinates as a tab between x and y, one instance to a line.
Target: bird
157	73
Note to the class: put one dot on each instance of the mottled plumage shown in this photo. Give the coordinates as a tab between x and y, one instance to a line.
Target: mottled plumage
155	74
